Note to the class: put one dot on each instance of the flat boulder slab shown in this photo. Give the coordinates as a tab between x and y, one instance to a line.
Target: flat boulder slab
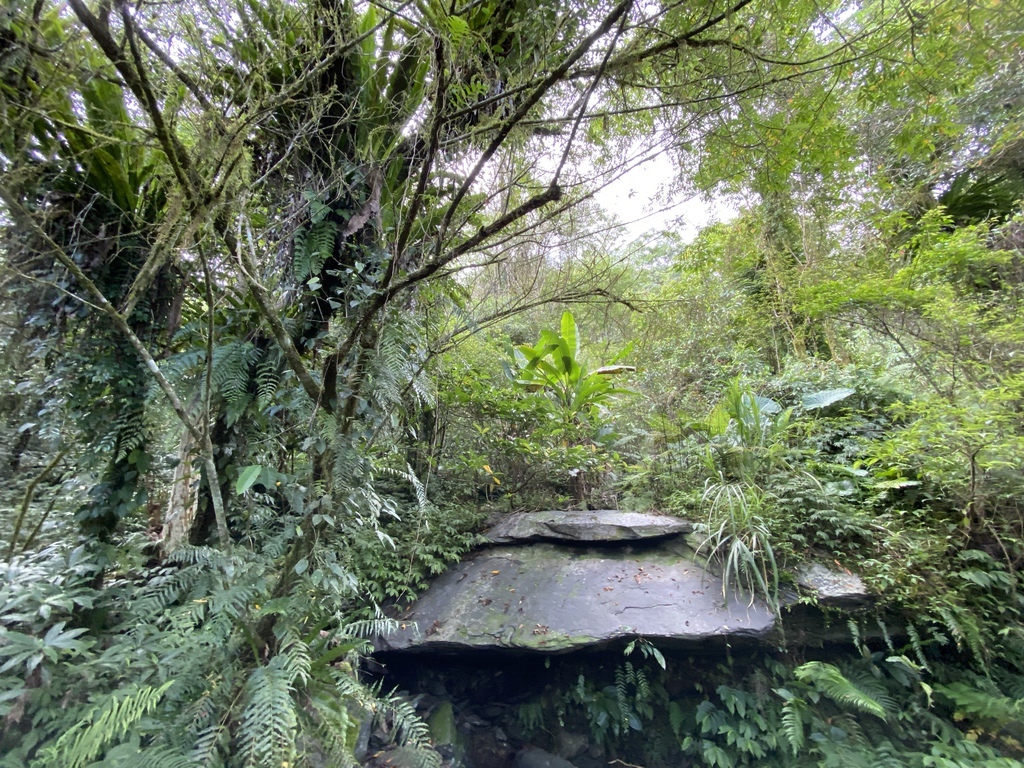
833	589
603	525
554	598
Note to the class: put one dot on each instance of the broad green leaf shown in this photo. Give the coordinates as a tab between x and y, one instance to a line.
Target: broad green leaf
825	398
570	333
247	478
766	404
658	657
109	178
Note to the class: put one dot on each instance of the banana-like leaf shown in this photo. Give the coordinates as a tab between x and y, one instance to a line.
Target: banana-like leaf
567	362
766	404
247	478
570	334
825	398
717	421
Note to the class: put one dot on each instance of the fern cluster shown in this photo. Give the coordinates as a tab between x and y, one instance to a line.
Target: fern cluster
855	705
170	674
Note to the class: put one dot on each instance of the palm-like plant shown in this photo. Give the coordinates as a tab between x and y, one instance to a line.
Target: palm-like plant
553	366
568	393
745	434
739	540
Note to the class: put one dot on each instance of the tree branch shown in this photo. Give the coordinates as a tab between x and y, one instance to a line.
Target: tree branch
586	100
266	308
428	162
629	58
556	76
20	214
168	62
100	32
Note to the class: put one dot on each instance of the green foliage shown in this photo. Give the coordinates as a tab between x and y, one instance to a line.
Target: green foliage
103	726
760	709
831	682
427	540
285	209
739	541
745	435
192	693
873	711
615	706
553	366
550	435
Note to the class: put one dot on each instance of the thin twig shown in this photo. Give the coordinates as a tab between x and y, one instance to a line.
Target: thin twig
27	498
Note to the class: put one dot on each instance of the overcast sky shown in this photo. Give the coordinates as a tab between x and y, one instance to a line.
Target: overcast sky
642	200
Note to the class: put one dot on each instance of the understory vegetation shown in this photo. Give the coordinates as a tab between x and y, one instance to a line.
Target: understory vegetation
299	296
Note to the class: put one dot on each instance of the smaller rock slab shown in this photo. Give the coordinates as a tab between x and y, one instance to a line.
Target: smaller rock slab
836	589
607	525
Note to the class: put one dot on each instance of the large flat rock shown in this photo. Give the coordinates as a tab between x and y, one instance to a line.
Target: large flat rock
548	598
606	525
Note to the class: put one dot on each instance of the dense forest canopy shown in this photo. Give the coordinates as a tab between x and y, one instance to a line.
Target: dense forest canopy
296	294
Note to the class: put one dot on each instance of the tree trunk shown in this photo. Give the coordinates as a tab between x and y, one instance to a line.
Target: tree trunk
184	502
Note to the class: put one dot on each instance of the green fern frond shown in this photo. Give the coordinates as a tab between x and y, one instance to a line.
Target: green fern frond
643	688
313	246
269	722
408	729
964	629
209	743
165	587
885	635
793	723
233	600
185	363
268	379
982	702
189	554
300	254
231	376
105	725
621	693
915	643
162	757
422	502
131	430
854	628
368	628
327	720
296	655
830	681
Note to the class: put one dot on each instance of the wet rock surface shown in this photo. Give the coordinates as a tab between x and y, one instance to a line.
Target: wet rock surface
550	597
483	656
835	589
565	581
604	525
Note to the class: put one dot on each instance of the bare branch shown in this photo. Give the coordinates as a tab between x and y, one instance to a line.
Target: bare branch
556	76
